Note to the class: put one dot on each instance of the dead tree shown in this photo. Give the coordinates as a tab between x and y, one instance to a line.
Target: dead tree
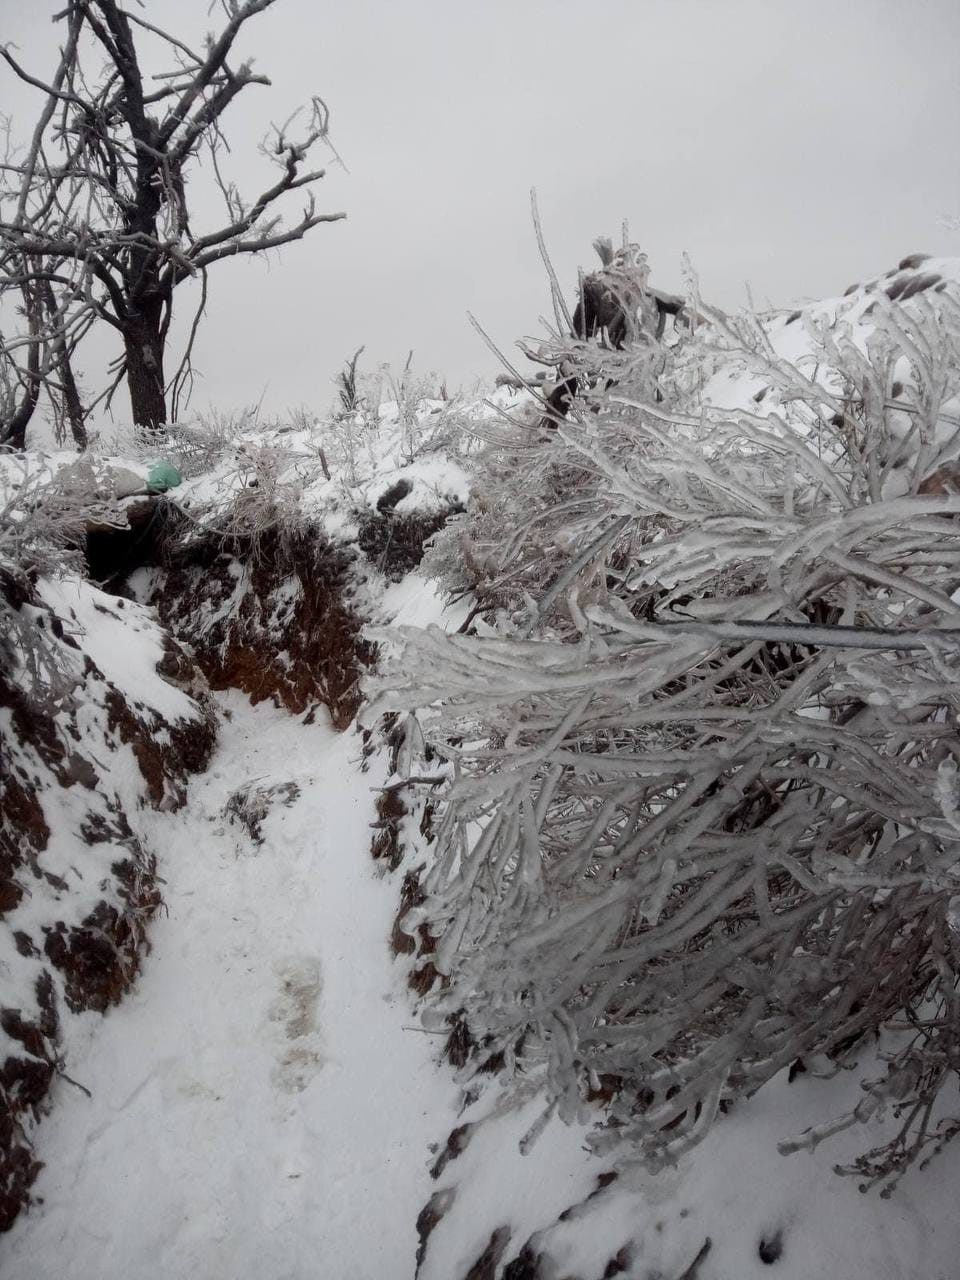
40	357
101	212
62	387
23	383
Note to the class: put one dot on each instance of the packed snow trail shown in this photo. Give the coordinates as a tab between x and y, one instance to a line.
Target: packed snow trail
261	1105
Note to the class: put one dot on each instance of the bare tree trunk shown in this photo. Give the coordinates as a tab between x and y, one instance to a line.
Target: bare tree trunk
143	345
72	405
14	432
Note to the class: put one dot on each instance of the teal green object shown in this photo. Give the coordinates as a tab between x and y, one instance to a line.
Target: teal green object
163	476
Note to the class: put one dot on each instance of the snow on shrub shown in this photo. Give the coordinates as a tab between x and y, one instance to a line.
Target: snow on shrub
704	812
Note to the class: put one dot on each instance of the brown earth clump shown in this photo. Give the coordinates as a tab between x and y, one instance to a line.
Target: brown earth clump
270	615
429	1217
395	544
386	847
485	1267
24	1082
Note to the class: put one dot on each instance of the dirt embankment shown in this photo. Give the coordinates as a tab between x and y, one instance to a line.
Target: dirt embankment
271	615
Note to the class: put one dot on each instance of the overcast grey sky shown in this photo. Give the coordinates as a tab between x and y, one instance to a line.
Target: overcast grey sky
797	145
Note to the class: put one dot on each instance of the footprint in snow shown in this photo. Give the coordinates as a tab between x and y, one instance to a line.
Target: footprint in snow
294	1013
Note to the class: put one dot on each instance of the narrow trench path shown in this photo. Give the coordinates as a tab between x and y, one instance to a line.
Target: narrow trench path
261	1106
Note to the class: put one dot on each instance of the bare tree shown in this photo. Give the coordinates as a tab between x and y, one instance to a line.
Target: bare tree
22	383
62	388
100	228
37	359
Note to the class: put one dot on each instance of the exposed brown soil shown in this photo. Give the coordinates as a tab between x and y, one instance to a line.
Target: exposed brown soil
24	832
421	942
428	1217
411	895
460	1044
525	1266
422	978
100	958
395	543
485	1267
619	1263
24	1081
386	846
165	765
456	1144
270	616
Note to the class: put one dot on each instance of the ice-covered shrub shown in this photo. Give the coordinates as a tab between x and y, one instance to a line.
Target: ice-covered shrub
703	812
44	513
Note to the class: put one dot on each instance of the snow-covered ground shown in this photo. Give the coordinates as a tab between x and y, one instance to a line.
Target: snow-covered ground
262	1101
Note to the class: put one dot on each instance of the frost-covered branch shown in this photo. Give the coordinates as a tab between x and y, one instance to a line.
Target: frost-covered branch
698	824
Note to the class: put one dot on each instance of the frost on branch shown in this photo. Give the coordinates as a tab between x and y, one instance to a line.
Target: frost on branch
670	863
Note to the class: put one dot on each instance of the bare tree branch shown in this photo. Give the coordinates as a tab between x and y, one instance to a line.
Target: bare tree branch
101	211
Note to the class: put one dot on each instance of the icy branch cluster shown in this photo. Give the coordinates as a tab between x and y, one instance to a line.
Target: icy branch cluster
669	864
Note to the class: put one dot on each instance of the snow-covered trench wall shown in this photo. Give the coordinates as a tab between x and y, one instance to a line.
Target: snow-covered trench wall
99	728
104	716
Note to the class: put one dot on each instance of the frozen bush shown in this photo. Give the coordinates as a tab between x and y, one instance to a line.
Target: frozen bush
704	811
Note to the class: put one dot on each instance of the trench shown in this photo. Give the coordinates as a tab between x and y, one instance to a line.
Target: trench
257	1104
